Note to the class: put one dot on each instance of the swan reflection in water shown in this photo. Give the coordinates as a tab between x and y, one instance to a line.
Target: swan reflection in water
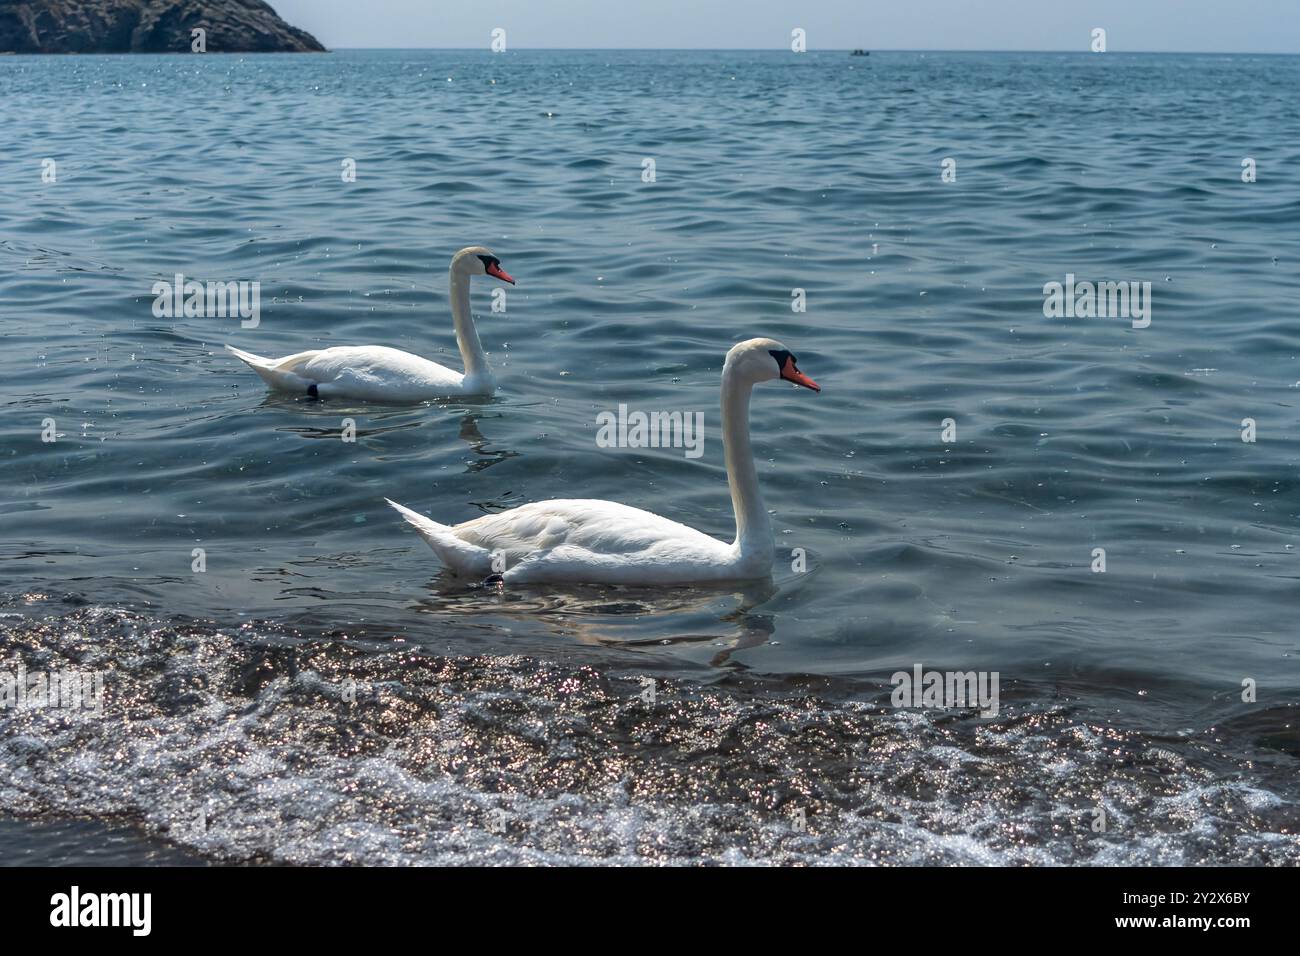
620	616
370	421
487	457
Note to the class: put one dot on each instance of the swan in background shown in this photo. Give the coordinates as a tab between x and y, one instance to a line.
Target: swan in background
600	542
380	374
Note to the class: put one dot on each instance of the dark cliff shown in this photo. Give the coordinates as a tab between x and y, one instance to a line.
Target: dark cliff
146	26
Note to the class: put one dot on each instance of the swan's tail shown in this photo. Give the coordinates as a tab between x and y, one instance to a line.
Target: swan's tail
457	554
272	375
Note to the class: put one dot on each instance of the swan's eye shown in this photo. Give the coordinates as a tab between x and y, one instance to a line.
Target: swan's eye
781	356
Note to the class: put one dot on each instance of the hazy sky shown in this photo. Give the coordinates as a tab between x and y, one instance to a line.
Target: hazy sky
1259	26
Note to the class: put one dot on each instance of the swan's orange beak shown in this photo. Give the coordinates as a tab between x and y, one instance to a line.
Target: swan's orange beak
792	374
495	270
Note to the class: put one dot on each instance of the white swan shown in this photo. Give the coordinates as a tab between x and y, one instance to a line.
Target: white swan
380	374
601	542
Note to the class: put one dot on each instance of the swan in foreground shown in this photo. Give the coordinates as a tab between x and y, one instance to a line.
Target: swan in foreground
380	374
600	542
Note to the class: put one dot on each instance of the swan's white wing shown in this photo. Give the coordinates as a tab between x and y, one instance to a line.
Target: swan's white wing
373	366
367	372
600	526
592	540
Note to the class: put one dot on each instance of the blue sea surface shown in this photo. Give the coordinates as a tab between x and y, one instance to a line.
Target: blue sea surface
509	725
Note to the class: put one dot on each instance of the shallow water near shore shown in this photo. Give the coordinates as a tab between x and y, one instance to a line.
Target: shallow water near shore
509	725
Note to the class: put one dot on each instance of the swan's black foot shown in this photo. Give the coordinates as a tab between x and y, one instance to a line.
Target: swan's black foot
494	580
313	391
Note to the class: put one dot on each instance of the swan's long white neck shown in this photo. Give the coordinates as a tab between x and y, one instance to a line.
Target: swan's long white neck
471	350
753	527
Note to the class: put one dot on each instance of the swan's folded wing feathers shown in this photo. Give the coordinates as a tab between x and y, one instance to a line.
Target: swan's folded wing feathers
370	368
292	363
596	527
665	562
515	532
